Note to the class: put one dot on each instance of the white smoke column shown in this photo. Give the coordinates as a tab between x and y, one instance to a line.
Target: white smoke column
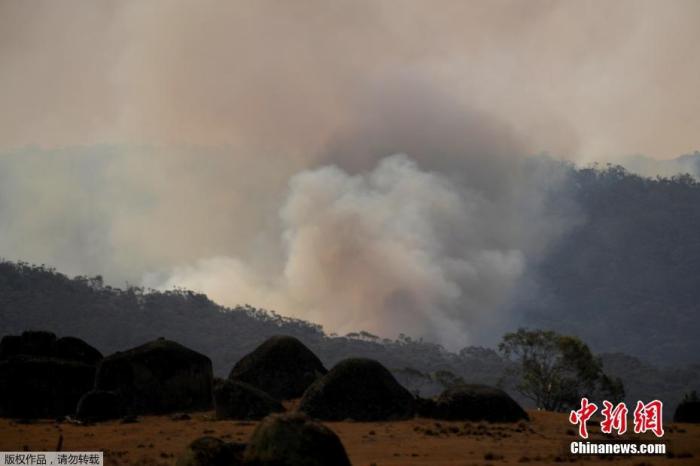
370	252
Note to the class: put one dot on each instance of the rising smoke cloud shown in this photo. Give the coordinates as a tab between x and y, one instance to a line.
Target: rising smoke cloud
429	244
374	251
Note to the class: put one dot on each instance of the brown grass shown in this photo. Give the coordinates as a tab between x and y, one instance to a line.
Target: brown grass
158	440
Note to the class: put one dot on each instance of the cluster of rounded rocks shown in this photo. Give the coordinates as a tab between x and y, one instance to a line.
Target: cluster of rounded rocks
42	376
45	377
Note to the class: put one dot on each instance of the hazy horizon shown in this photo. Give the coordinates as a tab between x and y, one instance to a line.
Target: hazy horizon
357	164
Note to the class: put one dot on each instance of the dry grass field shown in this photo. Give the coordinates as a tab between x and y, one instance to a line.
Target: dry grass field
158	440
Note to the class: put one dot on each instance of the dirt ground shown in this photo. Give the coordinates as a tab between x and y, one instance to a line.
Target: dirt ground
158	440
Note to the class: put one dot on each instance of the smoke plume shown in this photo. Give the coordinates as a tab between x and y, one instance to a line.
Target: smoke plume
429	242
365	165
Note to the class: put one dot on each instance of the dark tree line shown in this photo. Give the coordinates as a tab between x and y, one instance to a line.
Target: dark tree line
626	277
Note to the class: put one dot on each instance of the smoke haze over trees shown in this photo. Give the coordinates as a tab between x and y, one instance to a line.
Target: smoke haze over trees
457	256
625	279
33	297
275	154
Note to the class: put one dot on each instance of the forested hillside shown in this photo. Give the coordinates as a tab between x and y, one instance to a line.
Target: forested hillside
111	319
627	278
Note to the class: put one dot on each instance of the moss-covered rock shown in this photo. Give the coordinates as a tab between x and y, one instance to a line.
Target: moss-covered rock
45	345
294	440
359	389
35	343
39	387
476	403
211	451
159	377
282	366
688	411
75	349
101	405
238	400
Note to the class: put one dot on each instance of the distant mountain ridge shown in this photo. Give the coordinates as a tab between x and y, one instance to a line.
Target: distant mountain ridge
627	278
111	319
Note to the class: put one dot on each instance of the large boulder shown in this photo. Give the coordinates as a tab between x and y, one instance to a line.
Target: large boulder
282	367
10	345
238	400
39	387
211	451
75	349
477	403
294	440
100	405
359	389
38	343
158	377
688	411
44	344
41	376
30	343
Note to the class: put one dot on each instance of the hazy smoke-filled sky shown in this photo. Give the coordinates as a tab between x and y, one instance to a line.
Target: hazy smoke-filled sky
359	164
589	78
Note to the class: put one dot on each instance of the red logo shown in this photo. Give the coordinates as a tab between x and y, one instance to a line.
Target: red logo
582	415
647	417
614	418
